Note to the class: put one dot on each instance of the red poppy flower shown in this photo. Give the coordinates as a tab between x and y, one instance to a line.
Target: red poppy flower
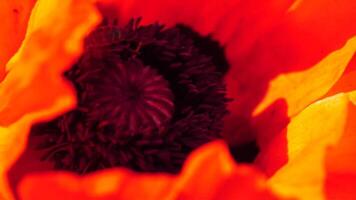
283	57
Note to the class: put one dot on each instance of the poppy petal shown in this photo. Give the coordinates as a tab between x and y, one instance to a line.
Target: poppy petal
297	41
171	12
308	136
37	66
301	88
200	179
14	15
300	40
103	186
298	89
223	179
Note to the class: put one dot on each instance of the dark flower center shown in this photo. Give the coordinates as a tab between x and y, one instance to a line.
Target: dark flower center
147	96
124	93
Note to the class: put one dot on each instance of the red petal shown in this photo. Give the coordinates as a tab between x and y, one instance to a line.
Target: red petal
340	181
340	185
299	40
209	173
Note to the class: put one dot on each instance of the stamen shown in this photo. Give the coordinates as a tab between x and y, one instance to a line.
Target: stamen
147	96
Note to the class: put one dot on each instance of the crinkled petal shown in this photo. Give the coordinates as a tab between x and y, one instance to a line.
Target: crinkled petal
33	88
200	179
308	137
14	18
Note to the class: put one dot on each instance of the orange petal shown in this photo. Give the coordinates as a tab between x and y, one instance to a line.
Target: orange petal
307	137
297	90
14	18
209	173
301	88
33	89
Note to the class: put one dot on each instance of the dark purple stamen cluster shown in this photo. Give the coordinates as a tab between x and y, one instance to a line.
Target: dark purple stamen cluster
147	96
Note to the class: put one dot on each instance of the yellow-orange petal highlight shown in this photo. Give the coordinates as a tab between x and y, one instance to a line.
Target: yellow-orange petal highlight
301	88
14	16
33	88
209	173
309	135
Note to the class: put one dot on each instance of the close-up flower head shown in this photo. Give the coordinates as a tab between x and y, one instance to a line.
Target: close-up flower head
177	99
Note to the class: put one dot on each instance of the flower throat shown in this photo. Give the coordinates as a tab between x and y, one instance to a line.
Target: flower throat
147	96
